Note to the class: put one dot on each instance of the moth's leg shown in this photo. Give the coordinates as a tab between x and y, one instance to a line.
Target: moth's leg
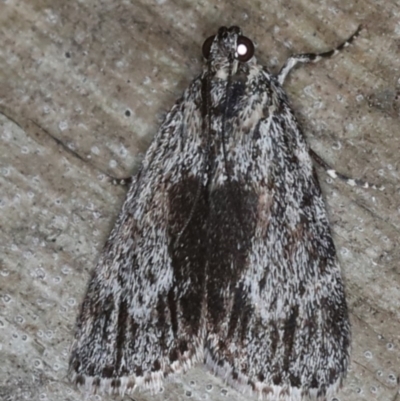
334	174
292	61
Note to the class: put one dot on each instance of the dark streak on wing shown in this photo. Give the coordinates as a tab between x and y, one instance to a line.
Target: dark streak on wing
123	317
288	340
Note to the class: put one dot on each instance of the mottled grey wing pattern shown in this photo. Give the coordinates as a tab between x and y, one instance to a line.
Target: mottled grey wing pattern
276	314
142	316
222	251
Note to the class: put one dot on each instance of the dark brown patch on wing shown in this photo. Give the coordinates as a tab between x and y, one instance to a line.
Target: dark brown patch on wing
233	214
187	230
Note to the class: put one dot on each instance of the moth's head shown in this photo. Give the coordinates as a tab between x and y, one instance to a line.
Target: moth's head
228	44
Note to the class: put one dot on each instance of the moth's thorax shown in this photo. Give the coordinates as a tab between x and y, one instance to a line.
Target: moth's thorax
247	88
222	68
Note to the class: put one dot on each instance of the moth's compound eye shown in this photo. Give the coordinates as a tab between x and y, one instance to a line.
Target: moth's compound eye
244	49
207	46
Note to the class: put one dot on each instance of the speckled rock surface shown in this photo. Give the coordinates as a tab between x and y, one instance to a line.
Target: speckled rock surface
83	87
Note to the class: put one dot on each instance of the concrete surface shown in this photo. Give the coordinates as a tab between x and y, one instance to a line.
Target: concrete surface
83	86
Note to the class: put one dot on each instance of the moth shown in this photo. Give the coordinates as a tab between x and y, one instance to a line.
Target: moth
222	252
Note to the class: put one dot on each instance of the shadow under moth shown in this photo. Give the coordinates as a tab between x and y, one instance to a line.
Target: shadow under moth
222	252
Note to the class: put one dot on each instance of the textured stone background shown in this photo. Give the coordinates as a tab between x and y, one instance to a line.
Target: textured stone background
83	86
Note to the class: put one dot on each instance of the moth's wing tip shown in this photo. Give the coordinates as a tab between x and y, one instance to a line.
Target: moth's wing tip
152	382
